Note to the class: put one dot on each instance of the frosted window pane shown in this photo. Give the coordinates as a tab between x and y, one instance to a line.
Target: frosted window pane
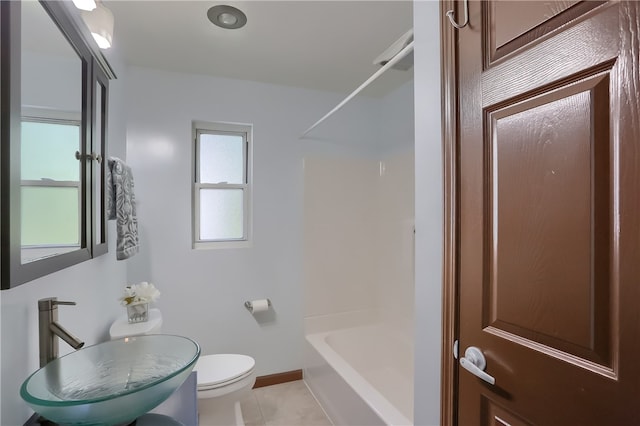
221	159
50	215
48	151
221	214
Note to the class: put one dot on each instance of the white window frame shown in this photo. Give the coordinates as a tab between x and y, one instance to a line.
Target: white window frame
67	118
219	128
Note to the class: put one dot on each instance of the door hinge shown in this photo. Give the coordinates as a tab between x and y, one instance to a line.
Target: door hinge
455	349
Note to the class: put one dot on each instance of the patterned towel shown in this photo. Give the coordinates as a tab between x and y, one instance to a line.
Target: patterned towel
121	206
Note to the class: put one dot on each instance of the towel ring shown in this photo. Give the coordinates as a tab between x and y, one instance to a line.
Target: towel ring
466	16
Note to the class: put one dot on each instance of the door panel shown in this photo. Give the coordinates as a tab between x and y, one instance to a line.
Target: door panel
533	19
495	415
555	145
531	14
549	213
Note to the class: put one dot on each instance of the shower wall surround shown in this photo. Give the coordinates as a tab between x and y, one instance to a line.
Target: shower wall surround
340	235
359	238
358	275
359	225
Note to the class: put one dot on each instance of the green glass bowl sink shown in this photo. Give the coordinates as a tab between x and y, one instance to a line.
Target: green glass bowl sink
111	383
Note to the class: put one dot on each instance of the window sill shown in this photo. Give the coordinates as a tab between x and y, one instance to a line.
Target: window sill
213	245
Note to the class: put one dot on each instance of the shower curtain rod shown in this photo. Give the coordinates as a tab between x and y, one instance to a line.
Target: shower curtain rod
401	54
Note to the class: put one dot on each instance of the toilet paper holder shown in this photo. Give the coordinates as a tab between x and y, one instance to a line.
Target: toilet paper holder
249	305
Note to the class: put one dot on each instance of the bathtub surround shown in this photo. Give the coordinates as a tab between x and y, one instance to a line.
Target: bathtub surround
358	273
359	287
340	235
358	221
405	297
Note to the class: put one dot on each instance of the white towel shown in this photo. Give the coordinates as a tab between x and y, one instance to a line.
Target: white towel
121	206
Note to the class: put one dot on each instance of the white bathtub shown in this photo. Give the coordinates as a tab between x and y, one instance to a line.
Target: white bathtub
361	375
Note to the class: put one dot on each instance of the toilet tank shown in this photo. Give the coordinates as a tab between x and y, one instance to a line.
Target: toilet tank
122	328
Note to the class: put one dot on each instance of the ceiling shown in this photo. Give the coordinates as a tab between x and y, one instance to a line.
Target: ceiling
324	45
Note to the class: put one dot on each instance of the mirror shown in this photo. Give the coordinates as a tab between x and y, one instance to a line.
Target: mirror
51	133
54	94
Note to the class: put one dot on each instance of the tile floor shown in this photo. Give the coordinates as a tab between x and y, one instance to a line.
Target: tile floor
286	404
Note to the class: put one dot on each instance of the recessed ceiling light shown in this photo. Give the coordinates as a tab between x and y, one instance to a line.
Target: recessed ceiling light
85	4
227	17
100	23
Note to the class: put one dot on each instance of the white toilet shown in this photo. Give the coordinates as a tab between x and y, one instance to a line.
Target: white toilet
121	327
222	378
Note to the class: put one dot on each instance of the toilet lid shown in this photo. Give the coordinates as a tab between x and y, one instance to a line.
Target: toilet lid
220	368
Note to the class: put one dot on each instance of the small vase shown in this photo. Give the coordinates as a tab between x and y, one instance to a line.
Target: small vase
138	312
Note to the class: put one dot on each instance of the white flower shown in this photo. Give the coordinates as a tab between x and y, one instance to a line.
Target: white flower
147	292
143	292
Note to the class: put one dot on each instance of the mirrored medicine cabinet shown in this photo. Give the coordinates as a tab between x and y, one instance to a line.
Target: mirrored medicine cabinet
53	129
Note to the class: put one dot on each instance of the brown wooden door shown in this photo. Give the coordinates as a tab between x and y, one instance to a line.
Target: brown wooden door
549	212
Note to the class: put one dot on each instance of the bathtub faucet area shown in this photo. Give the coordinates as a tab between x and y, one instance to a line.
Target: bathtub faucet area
50	330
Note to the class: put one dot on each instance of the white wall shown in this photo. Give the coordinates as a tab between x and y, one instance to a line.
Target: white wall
203	291
95	285
429	205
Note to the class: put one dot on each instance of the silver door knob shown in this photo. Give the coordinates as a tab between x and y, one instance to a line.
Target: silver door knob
473	361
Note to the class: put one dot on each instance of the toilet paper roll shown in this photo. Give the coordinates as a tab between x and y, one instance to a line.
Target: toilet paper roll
260	305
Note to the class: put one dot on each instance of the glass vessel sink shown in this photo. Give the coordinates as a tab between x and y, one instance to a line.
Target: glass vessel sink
111	383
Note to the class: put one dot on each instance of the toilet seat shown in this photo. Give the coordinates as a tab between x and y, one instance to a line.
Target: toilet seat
218	370
223	384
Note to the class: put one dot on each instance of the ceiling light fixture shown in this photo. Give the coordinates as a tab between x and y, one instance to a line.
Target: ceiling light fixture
227	17
85	4
100	23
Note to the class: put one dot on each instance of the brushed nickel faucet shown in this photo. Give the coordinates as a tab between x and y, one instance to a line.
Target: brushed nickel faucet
50	328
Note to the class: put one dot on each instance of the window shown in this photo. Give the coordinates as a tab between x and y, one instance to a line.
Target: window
50	186
222	185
